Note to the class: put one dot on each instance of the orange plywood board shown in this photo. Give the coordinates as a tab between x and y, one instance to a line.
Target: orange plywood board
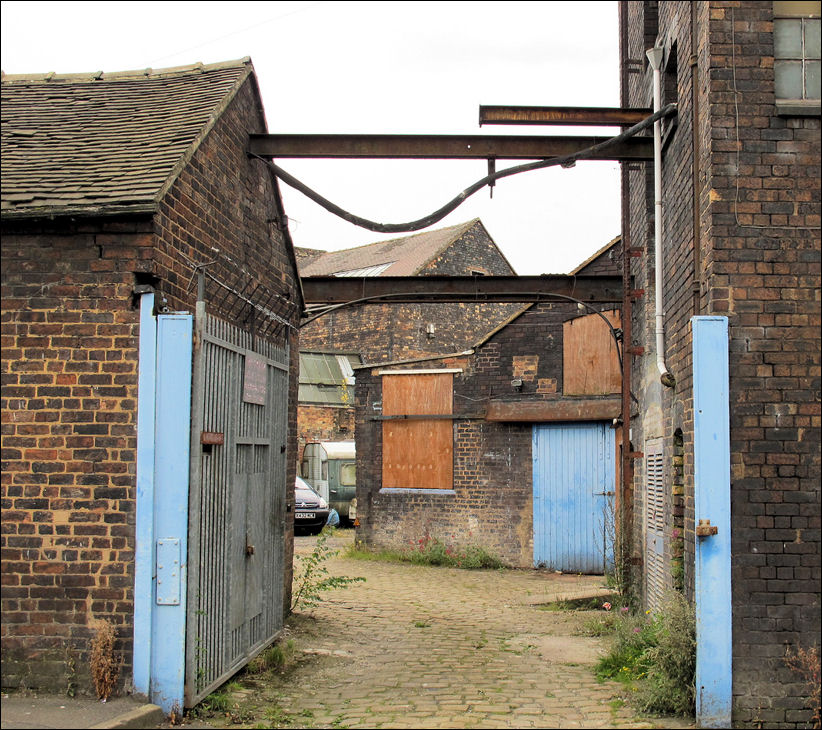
590	365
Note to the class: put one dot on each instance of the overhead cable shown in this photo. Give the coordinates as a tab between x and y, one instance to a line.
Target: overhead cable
437	215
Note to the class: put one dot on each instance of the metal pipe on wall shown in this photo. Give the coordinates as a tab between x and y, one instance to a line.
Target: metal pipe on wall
655	58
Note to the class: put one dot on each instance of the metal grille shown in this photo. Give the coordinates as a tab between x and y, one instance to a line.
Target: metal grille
237	502
654	524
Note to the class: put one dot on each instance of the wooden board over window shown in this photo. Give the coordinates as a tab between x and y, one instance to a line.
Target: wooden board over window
417	454
590	365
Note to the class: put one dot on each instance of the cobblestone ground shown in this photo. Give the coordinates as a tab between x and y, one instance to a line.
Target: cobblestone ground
428	647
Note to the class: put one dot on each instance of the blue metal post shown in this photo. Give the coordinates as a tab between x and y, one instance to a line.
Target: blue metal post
144	547
171	467
712	508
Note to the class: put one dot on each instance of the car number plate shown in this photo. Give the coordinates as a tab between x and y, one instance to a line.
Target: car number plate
304	515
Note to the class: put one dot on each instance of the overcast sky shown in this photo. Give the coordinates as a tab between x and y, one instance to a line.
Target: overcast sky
380	68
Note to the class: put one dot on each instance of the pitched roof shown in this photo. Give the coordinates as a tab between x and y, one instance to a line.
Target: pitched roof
595	255
398	257
106	142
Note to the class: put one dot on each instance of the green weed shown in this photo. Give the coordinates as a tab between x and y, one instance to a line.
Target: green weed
432	551
312	578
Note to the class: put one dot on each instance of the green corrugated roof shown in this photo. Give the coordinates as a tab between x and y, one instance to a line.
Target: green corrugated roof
327	378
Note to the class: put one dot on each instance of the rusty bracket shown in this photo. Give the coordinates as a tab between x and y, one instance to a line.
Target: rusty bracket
706	529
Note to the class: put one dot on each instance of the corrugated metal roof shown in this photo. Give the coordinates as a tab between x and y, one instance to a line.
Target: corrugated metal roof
102	143
327	378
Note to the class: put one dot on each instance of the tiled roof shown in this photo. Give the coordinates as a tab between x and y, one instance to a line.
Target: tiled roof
105	143
404	256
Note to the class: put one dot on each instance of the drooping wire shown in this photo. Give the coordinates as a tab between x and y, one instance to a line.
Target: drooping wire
439	214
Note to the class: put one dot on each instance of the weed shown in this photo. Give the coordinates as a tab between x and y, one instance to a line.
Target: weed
312	578
432	551
656	656
104	662
806	663
277	656
217	702
421	624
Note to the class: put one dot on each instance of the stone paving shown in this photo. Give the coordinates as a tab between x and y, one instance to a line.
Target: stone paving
430	647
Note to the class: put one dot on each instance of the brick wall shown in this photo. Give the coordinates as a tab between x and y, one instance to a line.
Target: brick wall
383	332
491	503
323	423
70	337
69	368
751	253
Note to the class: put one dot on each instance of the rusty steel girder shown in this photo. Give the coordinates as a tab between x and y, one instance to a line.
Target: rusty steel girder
420	146
561	115
333	290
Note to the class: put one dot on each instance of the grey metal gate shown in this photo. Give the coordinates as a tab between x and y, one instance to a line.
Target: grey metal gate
236	501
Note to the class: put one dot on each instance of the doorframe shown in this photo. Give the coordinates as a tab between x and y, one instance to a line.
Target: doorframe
161	524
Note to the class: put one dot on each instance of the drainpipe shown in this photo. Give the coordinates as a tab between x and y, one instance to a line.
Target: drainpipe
655	59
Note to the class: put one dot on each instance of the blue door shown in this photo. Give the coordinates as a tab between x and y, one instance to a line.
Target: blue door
574	478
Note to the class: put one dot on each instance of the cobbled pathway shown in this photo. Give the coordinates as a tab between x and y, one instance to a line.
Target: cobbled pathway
430	647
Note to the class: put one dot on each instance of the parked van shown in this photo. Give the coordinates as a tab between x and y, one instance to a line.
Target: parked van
330	468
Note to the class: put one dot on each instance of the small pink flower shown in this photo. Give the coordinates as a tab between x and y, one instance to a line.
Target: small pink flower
675	533
624	609
606	606
636	629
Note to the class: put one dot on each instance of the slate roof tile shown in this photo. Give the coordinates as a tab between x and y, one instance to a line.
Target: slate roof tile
77	143
405	256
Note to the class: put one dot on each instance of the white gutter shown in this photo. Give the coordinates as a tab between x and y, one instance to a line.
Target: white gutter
655	58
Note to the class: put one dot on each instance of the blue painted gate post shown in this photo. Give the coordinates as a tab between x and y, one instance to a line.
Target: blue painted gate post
172	439
712	512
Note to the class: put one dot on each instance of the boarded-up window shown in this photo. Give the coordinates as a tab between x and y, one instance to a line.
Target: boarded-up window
590	365
417	453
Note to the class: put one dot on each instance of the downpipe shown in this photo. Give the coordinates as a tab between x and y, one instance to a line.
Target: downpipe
655	58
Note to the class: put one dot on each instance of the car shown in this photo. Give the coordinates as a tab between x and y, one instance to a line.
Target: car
311	511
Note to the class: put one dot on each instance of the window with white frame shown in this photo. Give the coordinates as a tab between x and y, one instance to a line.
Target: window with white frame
796	37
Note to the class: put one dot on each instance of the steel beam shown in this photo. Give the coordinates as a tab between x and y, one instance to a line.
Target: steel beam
331	290
565	115
418	146
588	409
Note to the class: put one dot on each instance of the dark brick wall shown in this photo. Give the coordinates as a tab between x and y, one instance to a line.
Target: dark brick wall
751	253
491	503
384	333
69	394
69	378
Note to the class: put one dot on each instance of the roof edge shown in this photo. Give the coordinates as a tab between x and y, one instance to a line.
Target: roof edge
595	255
51	76
216	113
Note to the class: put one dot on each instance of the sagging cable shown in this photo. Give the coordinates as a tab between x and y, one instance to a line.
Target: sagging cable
564	161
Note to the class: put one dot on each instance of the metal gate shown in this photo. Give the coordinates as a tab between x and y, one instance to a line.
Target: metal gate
236	501
573	480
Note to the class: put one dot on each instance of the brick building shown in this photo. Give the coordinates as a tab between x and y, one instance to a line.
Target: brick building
448	446
384	332
741	241
117	188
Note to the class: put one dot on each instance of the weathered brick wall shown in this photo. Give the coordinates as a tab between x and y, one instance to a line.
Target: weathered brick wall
388	332
69	369
491	503
751	253
323	423
223	209
70	337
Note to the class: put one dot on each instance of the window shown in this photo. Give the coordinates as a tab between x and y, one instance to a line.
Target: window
796	39
417	433
348	474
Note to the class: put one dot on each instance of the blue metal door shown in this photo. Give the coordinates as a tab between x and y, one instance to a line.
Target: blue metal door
573	482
